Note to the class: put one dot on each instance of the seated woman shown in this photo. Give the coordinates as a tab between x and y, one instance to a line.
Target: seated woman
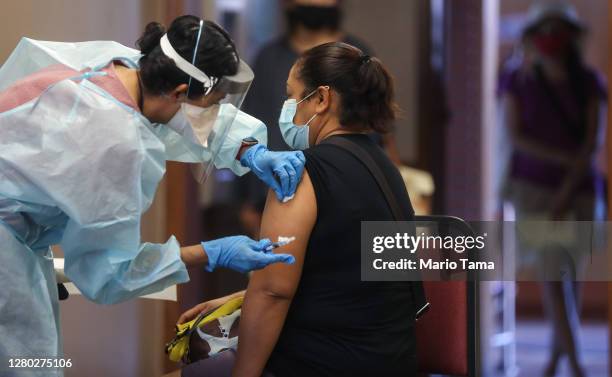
316	317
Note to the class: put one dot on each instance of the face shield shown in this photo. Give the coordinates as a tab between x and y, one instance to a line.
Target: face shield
212	135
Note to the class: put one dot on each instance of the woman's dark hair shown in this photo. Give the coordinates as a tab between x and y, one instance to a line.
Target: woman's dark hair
216	55
577	74
363	83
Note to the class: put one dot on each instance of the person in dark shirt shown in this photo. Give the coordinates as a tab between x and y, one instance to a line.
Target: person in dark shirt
309	23
317	317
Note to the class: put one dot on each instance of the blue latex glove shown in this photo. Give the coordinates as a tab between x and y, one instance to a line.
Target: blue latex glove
282	171
242	254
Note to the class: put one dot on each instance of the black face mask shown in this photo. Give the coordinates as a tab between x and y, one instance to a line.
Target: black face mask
314	17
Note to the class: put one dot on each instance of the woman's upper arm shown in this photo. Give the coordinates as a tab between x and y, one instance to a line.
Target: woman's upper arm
295	218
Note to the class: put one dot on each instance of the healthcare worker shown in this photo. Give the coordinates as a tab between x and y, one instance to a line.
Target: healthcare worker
85	132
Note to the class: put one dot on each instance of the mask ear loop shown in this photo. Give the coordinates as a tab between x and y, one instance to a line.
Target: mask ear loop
314	91
311	93
195	54
308	96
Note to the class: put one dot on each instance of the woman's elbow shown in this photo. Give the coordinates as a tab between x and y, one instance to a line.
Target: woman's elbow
277	291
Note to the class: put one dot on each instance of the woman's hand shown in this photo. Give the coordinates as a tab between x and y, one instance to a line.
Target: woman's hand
282	171
206	306
239	253
242	254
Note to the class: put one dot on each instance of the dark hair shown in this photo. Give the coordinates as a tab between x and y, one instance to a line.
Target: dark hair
577	75
216	55
363	83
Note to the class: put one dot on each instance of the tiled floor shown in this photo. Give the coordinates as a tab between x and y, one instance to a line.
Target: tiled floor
532	349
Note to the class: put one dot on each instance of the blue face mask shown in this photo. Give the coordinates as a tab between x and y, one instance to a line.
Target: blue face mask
296	136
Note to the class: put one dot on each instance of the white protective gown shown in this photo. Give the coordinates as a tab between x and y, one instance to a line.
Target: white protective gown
78	168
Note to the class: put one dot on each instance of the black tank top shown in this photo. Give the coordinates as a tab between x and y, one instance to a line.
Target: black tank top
338	325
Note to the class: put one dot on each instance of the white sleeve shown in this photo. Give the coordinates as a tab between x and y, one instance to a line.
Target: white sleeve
88	159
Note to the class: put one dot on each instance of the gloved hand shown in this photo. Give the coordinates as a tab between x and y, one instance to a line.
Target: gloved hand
267	165
242	254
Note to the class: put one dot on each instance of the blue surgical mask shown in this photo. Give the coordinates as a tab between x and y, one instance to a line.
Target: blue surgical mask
296	136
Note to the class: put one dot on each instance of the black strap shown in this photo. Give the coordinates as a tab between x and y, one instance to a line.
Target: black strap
365	158
416	288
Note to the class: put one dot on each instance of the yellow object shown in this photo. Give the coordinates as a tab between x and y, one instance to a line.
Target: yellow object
179	346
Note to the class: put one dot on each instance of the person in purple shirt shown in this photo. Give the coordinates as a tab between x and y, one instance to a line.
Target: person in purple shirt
552	107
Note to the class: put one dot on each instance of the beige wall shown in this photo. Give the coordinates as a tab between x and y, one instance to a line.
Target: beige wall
390	28
69	20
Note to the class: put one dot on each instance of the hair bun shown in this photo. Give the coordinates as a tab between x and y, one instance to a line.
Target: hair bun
364	85
150	38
